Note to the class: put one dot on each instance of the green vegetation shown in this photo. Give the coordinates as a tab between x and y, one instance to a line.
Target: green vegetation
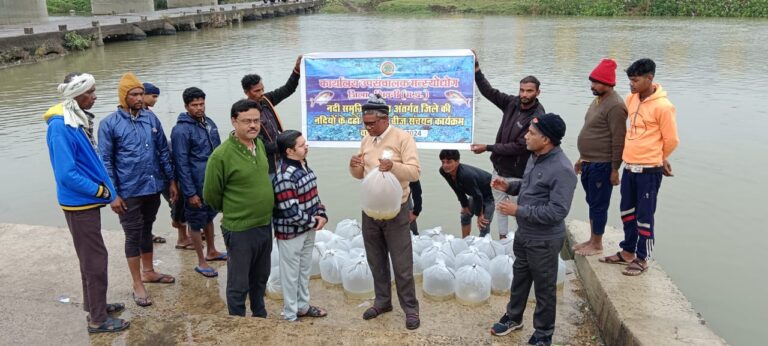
64	6
704	8
73	41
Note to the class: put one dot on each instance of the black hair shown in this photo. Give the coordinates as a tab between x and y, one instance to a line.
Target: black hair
241	106
287	140
450	154
531	79
69	77
249	81
641	67
191	94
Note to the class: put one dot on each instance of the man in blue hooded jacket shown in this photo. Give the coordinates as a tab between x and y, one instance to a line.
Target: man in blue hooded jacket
135	153
193	139
83	187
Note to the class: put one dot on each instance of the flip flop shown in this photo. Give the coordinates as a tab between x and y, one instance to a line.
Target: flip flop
220	257
162	279
158	240
185	247
613	260
635	268
207	272
110	325
314	311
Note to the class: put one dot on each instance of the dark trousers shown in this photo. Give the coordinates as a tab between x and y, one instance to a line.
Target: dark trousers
85	227
536	264
391	239
248	268
596	181
639	192
413	226
137	223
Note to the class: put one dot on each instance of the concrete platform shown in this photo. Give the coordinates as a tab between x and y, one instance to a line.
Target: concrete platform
644	310
193	310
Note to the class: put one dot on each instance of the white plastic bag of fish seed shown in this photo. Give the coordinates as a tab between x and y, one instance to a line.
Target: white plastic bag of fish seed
380	194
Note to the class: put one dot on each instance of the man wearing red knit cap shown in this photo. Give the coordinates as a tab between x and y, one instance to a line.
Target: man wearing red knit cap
600	144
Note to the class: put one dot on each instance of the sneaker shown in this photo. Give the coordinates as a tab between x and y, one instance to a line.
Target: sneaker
412	321
539	342
505	326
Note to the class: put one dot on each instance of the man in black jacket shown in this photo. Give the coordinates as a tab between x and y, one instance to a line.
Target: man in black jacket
472	186
271	125
508	153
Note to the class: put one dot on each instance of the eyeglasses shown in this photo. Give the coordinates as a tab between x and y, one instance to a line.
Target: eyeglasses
249	121
371	123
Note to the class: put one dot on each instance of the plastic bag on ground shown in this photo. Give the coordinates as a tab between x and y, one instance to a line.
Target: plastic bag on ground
473	285
348	228
317	253
274	287
471	239
438	282
331	266
501	274
432	254
380	195
420	242
418	270
560	271
436	234
472	255
274	256
356	252
357	279
357	242
453	245
490	247
323	235
338	243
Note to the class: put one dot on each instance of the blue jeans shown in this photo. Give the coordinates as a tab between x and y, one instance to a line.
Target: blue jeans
488	208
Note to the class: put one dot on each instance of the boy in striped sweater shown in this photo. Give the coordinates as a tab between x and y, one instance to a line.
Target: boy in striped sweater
298	213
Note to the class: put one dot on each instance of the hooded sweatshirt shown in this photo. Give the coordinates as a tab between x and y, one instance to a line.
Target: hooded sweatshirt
80	174
652	132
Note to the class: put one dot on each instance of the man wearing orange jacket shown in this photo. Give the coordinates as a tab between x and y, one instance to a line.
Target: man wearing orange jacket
650	140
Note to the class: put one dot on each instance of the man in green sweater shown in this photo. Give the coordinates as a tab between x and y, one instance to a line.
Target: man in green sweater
237	184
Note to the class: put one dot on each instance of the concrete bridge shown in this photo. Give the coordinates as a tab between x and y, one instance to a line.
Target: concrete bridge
21	43
36	11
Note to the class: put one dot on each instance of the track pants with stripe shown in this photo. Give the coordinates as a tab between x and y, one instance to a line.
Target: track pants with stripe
639	193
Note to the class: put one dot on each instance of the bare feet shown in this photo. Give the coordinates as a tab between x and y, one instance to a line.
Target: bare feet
589	249
579	245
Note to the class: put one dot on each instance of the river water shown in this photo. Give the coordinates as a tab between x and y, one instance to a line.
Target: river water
708	217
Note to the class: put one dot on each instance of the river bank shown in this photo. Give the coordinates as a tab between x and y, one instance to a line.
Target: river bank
706	8
45	290
59	36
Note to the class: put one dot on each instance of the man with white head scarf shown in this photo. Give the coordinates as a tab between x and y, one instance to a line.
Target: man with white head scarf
83	187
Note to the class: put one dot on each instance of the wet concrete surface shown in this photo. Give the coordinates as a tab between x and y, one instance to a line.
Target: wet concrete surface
193	310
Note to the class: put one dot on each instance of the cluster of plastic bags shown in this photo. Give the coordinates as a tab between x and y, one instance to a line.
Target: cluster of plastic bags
469	269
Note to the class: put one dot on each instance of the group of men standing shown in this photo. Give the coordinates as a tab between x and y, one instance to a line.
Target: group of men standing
259	179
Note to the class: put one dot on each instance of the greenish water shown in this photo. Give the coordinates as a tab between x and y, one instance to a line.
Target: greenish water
708	219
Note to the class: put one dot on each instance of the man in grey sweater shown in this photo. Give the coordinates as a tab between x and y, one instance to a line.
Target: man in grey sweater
544	198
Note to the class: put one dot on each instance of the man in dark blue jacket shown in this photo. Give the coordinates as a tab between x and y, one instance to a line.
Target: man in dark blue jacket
83	187
544	197
135	153
193	139
472	186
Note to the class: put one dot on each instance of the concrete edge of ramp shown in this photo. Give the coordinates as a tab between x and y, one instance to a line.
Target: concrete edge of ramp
645	310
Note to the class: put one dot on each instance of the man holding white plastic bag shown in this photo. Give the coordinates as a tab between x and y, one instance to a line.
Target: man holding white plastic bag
387	151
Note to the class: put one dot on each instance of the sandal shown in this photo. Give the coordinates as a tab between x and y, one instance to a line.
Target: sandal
613	259
313	311
110	325
114	308
374	312
143	302
162	279
185	247
635	268
412	321
221	257
207	272
158	240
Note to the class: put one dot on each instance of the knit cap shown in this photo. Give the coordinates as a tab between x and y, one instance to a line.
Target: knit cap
127	83
605	72
550	125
